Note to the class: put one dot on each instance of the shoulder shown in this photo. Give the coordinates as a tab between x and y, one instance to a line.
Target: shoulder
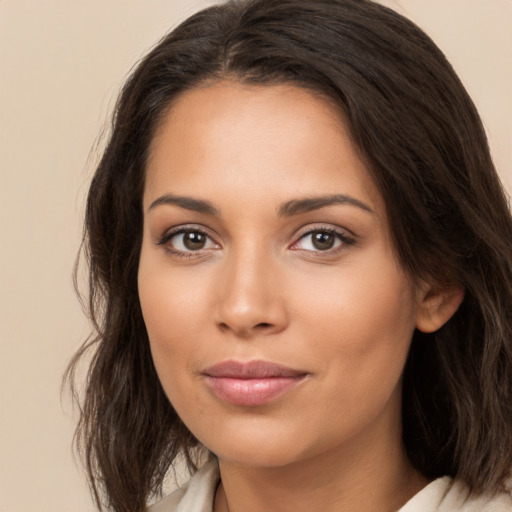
197	494
446	495
458	498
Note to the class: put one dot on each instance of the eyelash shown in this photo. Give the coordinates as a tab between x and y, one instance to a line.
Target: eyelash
341	236
169	235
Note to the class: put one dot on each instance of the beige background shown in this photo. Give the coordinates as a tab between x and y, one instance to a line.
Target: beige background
61	63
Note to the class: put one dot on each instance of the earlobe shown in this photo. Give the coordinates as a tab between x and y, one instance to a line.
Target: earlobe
437	306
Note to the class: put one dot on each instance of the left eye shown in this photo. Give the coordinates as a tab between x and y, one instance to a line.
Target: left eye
319	240
190	240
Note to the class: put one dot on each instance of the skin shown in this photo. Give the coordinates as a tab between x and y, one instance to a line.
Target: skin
259	289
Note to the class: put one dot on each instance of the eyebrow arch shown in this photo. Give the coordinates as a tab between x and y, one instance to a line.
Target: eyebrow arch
309	204
188	203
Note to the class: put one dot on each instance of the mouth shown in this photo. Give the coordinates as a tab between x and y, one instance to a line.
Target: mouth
252	383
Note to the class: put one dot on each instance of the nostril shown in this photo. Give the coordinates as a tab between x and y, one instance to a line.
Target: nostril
263	325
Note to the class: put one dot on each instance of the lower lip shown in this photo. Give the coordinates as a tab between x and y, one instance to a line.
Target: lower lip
252	392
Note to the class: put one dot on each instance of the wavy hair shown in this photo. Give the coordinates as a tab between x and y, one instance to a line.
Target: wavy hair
424	145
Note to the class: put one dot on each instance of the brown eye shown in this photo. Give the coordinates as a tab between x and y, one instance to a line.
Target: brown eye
194	241
323	240
188	240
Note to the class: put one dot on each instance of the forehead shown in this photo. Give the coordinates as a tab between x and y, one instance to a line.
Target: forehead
255	141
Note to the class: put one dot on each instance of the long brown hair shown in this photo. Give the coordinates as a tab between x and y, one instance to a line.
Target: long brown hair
425	146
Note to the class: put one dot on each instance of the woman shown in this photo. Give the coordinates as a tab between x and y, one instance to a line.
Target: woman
300	273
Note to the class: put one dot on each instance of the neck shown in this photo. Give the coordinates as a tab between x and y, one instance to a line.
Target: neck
367	477
302	489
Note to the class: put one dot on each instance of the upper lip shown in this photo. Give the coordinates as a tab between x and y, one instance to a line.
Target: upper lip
251	370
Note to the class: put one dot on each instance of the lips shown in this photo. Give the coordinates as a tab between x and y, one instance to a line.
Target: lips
253	383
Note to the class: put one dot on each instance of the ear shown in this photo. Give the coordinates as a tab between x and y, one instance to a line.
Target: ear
437	305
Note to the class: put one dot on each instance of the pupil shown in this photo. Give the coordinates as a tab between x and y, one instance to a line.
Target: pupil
322	240
193	240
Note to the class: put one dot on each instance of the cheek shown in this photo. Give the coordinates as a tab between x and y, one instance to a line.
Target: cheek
173	343
171	308
363	322
172	301
370	301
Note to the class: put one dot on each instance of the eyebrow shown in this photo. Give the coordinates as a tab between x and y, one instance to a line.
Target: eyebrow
188	203
288	209
308	204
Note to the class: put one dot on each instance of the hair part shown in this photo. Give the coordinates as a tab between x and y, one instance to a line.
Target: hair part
423	142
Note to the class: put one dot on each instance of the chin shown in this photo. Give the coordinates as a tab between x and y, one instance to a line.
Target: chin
257	456
260	444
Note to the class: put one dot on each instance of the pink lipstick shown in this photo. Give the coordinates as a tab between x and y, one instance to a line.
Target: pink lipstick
253	383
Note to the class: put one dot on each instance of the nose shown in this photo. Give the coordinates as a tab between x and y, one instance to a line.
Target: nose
251	299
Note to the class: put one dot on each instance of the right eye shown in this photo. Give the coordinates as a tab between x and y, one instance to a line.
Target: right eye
188	240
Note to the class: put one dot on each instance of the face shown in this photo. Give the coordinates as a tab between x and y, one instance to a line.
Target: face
278	317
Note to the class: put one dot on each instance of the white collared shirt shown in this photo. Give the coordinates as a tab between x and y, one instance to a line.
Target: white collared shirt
441	495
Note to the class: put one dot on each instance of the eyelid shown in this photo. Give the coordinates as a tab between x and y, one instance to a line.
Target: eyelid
185	228
344	235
